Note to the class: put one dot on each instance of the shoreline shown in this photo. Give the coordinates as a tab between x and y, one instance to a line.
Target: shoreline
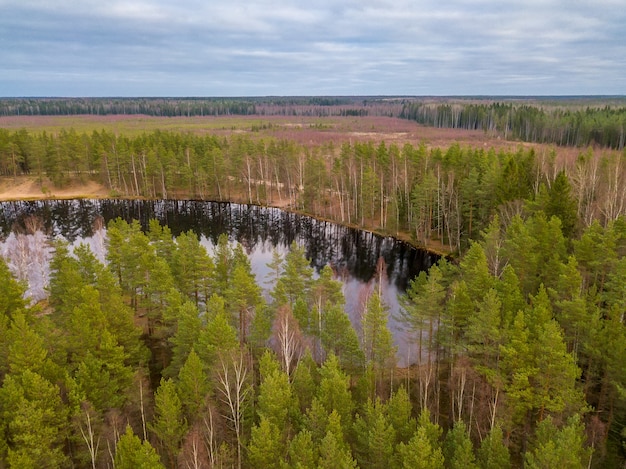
13	189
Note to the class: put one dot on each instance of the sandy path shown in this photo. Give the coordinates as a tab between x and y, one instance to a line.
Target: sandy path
27	188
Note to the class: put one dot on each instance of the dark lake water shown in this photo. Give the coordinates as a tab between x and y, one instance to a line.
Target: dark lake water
25	227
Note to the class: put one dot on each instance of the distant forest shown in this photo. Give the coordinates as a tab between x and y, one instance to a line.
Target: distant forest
576	121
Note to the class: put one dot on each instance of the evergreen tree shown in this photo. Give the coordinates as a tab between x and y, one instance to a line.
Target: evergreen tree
492	453
377	338
169	424
276	402
510	295
11	292
132	453
162	239
423	306
333	392
65	281
475	272
193	386
340	339
222	258
302	453
296	279
26	348
192	268
375	437
85	325
304	381
103	376
562	448
218	337
562	204
518	365
485	336
187	335
432	431
334	451
326	293
33	419
243	298
399	411
458	450
265	448
419	453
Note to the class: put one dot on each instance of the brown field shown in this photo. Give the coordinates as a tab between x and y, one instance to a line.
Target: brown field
308	131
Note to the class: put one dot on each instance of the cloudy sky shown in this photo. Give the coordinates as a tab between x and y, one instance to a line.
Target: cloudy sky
319	47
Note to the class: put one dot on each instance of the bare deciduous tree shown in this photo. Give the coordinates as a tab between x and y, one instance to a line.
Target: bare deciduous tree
88	432
289	339
235	389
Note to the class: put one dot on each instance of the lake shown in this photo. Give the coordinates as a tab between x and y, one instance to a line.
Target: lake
26	227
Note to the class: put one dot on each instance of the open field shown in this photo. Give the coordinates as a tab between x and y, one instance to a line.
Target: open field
307	131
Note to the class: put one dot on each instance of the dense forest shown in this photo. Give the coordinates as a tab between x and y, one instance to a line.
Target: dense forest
575	121
603	126
448	195
166	355
188	107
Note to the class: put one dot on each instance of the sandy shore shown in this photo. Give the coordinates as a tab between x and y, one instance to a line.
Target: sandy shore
28	188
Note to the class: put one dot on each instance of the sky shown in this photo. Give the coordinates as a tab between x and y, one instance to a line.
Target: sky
80	48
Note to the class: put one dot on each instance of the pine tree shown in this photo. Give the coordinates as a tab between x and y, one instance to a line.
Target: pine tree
169	424
266	448
187	335
192	268
340	338
193	386
243	298
11	292
399	411
66	281
377	338
326	293
217	337
33	419
375	436
563	204
475	271
333	392
302	453
304	381
419	453
485	336
222	258
296	279
276	401
562	448
492	453
380	353
103	375
162	239
458	450
26	348
334	451
132	453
